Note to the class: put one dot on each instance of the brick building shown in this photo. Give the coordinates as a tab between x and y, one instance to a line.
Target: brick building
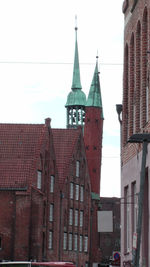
109	232
48	180
135	120
27	191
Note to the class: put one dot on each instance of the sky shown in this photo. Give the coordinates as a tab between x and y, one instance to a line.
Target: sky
37	42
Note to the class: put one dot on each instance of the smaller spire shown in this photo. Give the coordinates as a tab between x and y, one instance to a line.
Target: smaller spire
94	97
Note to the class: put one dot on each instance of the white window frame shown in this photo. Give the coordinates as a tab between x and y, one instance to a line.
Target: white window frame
52	184
75	242
86	243
77	168
71	216
81	243
65	241
39	179
51	212
77	192
81	218
70	242
71	190
50	240
81	193
76	215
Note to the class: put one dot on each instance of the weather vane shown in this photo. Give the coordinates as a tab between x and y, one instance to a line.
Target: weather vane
76	23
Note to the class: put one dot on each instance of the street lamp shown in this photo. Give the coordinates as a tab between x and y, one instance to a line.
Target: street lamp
145	139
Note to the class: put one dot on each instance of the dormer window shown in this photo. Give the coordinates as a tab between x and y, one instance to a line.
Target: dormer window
39	179
77	168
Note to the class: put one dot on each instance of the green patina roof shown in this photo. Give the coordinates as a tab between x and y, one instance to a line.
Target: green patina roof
76	97
95	196
94	97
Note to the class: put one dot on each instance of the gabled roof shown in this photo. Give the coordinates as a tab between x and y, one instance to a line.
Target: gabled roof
64	144
19	146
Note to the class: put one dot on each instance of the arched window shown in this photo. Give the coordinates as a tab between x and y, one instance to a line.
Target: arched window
131	85
125	94
137	94
144	106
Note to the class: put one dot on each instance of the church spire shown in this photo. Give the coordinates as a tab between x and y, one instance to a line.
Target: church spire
76	99
76	83
94	97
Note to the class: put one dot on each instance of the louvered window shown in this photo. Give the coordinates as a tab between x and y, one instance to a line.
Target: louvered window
70	216
65	241
51	211
77	192
75	242
52	179
71	190
50	240
81	218
85	243
70	241
81	193
76	218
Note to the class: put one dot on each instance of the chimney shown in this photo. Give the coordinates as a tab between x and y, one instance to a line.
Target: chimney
48	122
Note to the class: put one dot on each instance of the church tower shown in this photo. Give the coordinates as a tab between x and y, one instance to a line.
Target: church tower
93	131
76	99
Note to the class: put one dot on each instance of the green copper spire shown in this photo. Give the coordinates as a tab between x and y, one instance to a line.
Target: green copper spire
76	97
76	83
94	97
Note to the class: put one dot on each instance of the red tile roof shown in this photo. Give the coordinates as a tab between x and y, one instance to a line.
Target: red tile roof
64	143
19	145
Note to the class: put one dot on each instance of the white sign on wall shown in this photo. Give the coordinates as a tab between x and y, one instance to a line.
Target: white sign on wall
105	221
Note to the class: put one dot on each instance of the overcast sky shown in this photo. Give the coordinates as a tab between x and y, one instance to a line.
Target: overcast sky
37	41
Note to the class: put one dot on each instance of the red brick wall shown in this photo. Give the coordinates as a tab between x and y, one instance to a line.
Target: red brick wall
93	144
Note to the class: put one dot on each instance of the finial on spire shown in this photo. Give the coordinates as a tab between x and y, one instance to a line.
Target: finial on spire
76	28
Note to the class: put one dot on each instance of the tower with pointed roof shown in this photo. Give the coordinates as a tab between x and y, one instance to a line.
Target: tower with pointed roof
93	131
76	99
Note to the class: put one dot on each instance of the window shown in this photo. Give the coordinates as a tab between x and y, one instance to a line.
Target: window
39	179
70	216
77	192
50	240
65	241
76	218
126	219
70	241
52	184
81	218
77	168
81	193
51	211
75	242
0	243
134	208
71	190
86	243
81	243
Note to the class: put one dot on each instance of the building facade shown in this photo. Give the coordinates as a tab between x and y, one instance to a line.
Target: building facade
50	182
135	120
28	192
